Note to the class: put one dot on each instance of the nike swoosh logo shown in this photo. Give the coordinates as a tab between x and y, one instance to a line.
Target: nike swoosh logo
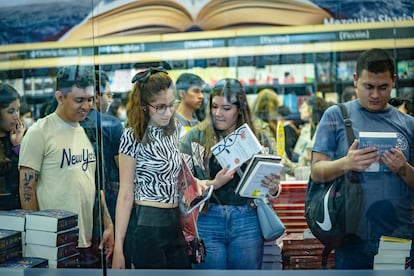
326	225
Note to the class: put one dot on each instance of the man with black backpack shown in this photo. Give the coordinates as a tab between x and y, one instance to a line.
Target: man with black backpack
387	197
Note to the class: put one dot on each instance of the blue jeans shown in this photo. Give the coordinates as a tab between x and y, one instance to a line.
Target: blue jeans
232	238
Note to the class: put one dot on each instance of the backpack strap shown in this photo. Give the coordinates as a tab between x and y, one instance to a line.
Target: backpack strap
350	135
347	123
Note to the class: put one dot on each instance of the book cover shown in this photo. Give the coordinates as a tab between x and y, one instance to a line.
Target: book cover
381	266
51	220
250	184
132	17
237	147
10	253
50	252
189	199
24	262
394	243
391	257
10	238
71	261
14	219
52	238
382	141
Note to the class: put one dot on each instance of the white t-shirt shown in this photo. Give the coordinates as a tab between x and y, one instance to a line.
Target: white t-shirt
65	159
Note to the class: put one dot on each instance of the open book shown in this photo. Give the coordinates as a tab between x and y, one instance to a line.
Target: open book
137	17
250	184
236	148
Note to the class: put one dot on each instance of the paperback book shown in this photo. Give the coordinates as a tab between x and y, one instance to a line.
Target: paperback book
251	184
9	239
24	262
51	220
52	238
380	140
14	219
189	198
236	148
10	253
394	243
66	262
51	252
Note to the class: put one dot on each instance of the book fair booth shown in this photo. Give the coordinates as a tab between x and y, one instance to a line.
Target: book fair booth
297	48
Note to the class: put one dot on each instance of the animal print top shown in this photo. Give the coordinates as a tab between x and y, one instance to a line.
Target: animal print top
158	164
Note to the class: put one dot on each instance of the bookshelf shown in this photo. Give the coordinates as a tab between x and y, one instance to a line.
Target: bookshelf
297	59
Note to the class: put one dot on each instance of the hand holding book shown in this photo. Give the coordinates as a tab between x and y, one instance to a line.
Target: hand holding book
382	141
272	182
395	160
261	177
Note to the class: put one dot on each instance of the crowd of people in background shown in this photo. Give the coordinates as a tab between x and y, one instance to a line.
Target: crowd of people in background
134	148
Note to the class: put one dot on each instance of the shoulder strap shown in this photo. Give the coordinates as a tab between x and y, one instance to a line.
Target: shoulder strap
347	123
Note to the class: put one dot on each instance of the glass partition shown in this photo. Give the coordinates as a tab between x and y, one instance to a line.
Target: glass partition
296	50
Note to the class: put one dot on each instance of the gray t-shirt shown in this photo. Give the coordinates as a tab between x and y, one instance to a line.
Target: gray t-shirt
388	201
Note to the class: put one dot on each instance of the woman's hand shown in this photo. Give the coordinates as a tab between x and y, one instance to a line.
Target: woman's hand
272	182
222	178
118	260
17	132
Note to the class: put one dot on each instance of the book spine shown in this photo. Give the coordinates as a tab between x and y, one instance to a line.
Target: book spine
68	237
10	253
66	223
10	241
67	250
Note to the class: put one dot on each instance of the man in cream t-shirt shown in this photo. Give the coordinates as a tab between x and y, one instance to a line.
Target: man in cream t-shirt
57	160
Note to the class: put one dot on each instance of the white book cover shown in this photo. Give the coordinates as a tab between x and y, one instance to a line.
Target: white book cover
14	219
394	243
382	141
391	257
251	184
390	266
237	147
52	238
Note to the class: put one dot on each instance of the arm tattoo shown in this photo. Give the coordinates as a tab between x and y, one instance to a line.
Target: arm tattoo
28	191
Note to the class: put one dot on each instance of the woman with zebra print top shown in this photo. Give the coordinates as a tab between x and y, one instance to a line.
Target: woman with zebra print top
148	233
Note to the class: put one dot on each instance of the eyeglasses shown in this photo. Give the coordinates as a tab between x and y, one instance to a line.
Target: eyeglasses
162	108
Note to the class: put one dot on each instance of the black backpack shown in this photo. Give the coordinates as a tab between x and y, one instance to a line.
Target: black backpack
332	209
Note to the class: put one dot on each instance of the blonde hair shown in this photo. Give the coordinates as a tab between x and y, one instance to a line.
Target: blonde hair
265	107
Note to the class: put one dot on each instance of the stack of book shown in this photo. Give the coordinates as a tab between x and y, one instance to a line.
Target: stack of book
52	235
15	220
303	251
290	205
272	256
393	254
10	245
